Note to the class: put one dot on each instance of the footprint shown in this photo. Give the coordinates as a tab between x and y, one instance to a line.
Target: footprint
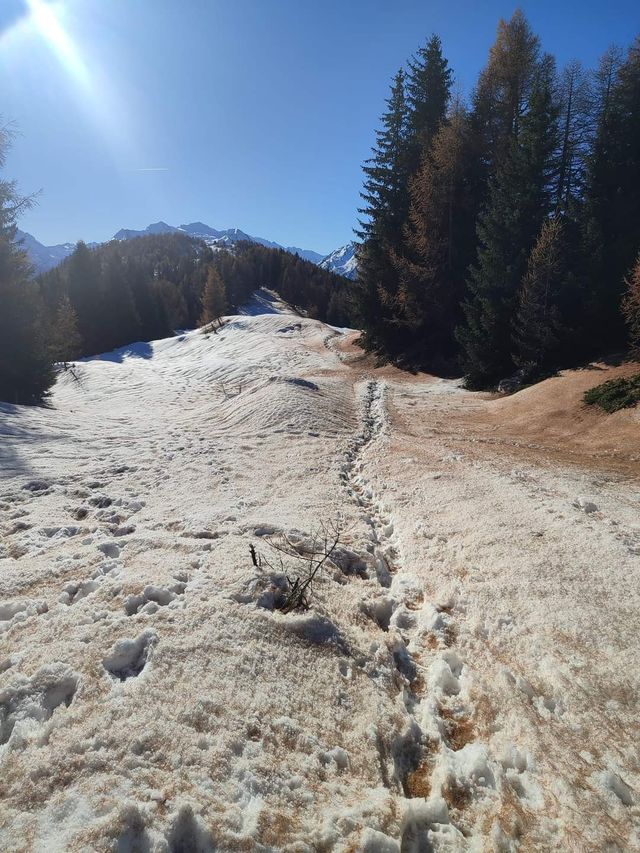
33	700
74	592
129	657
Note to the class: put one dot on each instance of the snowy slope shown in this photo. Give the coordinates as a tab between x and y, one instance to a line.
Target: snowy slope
466	678
43	257
342	261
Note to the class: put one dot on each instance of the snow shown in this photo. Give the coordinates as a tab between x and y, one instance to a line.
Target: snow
342	261
465	679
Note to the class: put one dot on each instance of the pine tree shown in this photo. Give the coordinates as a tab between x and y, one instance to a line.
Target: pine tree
612	208
520	198
120	323
214	299
631	306
386	206
575	98
66	341
84	287
428	91
435	257
501	98
538	326
25	365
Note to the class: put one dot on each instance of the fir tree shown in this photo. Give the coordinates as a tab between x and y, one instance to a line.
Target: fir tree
538	326
25	365
612	209
520	197
428	90
386	206
435	258
575	99
214	299
66	341
631	306
84	286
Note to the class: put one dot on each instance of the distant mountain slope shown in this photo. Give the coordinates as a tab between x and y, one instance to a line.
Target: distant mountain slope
43	257
342	261
216	236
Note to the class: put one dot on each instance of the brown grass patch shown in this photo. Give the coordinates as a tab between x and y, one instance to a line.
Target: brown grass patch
456	796
459	729
418	782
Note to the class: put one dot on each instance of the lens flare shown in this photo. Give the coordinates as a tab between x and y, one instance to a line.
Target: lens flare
48	25
92	88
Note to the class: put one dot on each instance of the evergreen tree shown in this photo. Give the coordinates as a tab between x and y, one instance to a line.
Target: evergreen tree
66	341
387	201
612	209
84	287
120	323
520	198
437	240
538	326
428	90
575	99
502	95
214	299
631	306
26	371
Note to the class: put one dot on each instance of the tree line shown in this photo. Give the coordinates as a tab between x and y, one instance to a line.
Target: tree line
120	292
499	236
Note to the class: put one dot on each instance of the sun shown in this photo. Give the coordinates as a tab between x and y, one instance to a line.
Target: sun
45	19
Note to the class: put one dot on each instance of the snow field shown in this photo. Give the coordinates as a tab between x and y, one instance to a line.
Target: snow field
459	683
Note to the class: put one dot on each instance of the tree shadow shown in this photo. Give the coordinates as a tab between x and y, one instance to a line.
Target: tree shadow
141	349
18	434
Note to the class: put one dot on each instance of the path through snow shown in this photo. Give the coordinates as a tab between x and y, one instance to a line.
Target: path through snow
466	678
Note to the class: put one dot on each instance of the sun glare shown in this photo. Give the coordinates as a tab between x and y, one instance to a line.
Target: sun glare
48	25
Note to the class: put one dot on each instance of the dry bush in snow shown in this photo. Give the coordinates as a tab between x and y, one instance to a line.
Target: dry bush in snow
300	559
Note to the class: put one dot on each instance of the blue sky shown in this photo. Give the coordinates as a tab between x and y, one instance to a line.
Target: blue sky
254	114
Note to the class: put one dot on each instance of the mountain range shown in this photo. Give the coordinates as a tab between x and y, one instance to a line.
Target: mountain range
340	261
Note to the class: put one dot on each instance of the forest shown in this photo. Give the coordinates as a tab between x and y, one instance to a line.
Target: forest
500	236
119	292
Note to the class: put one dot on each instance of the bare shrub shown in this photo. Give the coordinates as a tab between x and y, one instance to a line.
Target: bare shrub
300	560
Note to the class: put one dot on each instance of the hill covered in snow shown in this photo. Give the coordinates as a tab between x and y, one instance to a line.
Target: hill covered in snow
464	678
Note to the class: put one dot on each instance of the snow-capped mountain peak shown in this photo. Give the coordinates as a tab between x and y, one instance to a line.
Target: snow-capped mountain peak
342	261
43	257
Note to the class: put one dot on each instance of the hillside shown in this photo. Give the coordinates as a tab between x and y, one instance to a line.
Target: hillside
466	676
